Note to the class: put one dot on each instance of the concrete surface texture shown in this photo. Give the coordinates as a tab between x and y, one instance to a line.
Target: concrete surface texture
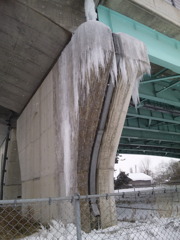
33	34
156	14
132	55
57	129
36	144
12	187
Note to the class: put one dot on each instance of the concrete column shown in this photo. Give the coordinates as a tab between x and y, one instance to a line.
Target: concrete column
2	149
56	130
132	63
36	144
110	141
12	187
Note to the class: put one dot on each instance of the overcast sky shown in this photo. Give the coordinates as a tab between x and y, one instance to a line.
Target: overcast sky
128	161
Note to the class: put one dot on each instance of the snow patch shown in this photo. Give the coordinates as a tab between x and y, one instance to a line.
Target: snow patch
139	176
90	10
164	228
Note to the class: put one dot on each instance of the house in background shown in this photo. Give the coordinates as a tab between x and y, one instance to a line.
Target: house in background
140	180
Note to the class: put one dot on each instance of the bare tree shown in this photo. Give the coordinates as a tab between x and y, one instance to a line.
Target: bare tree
145	166
131	170
168	172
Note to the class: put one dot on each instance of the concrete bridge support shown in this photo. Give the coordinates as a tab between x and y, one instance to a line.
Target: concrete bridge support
10	171
57	130
128	51
12	187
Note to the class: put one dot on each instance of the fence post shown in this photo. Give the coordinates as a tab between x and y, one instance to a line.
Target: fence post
77	216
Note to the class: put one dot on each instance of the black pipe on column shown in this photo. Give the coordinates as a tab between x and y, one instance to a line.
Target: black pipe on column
5	157
173	3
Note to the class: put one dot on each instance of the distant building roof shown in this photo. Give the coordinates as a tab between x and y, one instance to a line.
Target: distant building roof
140	177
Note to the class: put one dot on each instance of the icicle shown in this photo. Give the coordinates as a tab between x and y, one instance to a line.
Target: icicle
132	61
90	10
93	52
89	51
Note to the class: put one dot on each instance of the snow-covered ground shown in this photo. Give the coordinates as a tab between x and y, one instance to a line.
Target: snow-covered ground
155	229
147	189
138	219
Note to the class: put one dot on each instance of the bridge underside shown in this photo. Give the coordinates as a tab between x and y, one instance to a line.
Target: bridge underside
26	58
29	53
153	128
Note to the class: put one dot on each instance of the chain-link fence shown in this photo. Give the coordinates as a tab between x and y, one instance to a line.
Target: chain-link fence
133	214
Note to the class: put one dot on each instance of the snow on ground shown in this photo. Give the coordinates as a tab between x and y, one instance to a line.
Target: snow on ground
137	189
155	229
136	221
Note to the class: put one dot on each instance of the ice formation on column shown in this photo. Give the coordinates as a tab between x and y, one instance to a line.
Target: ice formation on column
89	51
132	61
90	10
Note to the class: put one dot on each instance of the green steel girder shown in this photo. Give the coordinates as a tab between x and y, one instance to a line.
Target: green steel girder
152	128
149	143
157	149
152	115
164	90
149	147
139	133
162	50
160	79
151	95
162	154
170	86
145	125
159	73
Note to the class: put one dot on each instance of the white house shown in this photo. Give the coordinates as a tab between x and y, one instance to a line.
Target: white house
140	179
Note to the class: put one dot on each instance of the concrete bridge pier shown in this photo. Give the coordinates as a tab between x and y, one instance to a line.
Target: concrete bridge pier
57	130
12	181
132	64
10	171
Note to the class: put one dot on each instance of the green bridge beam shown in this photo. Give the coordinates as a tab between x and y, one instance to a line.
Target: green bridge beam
160	79
162	50
147	114
142	133
157	151
148	143
151	95
162	154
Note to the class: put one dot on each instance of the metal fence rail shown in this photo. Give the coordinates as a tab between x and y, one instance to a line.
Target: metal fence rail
143	214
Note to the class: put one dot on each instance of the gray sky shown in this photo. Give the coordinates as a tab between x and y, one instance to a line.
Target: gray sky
134	161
